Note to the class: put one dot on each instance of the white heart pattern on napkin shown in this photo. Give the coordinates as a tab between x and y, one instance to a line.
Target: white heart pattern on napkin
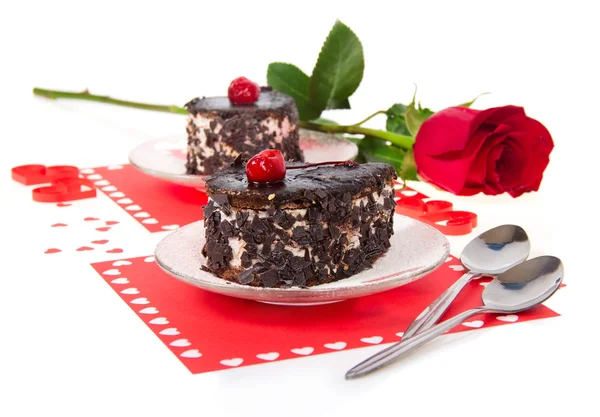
117	194
180	343
125	201
109	188
112	272
400	334
133	207
335	346
307	350
474	323
87	171
130	291
192	353
511	318
149	259
120	281
170	227
121	263
150	221
374	340
271	356
171	331
101	183
456	267
149	310
141	300
94	177
159	320
232	362
141	214
484	284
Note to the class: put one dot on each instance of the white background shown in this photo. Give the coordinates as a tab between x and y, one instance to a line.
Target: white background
540	55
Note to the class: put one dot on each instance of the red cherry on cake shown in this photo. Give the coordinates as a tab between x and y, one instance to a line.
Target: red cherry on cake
243	91
266	166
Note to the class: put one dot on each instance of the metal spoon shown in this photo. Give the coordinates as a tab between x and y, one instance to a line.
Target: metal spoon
520	288
491	253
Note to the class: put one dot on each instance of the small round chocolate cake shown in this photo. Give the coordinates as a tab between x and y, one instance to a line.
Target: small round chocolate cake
219	130
319	224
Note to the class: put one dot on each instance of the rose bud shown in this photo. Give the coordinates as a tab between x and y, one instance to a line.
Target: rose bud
466	151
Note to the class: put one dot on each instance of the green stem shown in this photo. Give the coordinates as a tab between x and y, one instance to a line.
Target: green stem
85	95
370	117
404	142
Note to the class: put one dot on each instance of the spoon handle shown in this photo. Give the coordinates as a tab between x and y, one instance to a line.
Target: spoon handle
432	313
390	354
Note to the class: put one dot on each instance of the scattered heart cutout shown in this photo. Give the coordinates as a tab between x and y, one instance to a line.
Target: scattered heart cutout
63	204
232	362
400	334
100	242
307	350
103	229
170	227
149	310
86	171
150	221
159	320
373	340
109	188
114	167
52	250
59	225
84	248
94	177
120	281
511	318
271	356
474	324
180	343
171	331
141	300
192	353
101	183
133	207
130	291
90	219
448	259
141	214
115	250
111	222
149	259
335	346
112	272
456	267
125	201
121	263
117	194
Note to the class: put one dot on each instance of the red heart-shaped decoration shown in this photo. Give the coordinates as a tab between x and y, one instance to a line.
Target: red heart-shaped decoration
65	189
111	222
52	250
40	174
100	242
115	250
84	248
103	229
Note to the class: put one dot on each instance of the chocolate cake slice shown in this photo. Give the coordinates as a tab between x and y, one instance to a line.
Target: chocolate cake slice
318	225
219	130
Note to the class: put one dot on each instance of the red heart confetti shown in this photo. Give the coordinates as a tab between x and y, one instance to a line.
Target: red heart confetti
115	250
103	229
111	222
90	219
100	242
59	225
63	205
84	248
52	250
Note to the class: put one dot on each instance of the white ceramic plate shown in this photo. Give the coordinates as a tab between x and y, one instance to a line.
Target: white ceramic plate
417	249
165	158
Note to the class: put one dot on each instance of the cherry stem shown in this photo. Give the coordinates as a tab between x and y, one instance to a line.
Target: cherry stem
316	164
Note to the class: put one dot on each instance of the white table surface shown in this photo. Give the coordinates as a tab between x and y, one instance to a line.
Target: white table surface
69	347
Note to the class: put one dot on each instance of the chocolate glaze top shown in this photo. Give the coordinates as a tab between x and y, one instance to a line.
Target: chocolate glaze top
301	188
272	102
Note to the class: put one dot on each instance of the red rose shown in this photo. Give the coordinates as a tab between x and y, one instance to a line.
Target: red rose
497	150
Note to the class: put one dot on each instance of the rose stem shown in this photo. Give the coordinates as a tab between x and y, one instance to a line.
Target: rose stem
405	142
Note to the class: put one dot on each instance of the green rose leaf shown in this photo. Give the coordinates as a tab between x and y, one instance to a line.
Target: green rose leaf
338	104
339	68
290	80
395	119
376	150
408	169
